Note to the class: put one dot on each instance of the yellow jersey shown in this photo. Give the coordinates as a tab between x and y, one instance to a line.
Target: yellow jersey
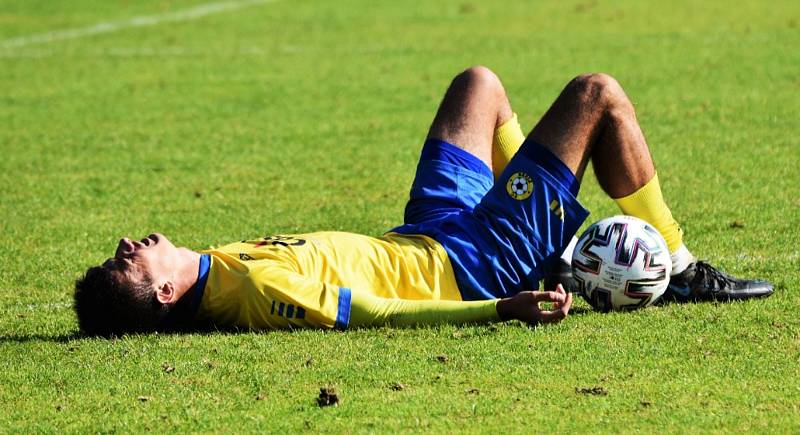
308	280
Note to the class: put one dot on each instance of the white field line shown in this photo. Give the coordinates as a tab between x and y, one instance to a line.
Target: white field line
128	52
141	21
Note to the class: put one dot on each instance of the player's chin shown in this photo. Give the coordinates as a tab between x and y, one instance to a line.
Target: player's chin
158	238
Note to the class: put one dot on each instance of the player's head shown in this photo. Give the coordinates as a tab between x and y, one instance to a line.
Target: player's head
132	291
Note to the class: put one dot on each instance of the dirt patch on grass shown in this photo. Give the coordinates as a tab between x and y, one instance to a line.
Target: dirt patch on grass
328	397
592	391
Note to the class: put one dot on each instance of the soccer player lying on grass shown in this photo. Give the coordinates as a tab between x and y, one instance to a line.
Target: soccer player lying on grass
489	214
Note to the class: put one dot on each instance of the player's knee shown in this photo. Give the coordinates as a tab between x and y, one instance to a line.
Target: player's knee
480	74
480	79
598	88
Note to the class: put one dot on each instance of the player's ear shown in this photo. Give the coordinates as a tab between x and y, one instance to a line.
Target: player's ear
165	293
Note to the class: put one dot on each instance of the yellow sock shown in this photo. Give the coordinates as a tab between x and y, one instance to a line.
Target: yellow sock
506	142
648	204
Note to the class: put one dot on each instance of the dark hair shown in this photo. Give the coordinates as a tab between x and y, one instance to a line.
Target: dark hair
106	306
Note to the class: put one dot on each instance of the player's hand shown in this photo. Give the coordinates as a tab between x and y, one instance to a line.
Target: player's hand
526	306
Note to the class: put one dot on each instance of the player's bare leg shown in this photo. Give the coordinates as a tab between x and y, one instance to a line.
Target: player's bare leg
593	119
474	105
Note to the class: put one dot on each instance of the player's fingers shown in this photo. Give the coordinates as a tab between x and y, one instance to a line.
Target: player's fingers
559	313
560	290
564	308
551	316
550	296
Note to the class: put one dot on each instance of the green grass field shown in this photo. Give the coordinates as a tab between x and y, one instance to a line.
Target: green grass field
293	116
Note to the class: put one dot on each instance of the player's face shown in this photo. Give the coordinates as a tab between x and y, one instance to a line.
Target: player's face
152	256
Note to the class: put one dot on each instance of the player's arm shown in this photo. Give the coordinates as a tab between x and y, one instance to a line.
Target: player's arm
367	310
283	298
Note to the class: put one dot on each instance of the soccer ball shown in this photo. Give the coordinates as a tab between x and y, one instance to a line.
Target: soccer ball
621	263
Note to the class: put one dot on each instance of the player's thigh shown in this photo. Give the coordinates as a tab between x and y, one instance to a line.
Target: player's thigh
573	122
475	103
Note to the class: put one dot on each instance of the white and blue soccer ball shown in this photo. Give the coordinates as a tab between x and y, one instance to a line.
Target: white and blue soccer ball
621	263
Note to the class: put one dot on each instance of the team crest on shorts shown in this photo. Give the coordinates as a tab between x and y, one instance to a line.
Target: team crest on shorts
520	186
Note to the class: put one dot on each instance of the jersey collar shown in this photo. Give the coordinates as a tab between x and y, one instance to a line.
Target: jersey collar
200	286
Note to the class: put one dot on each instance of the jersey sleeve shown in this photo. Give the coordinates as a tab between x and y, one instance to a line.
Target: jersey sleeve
282	298
368	310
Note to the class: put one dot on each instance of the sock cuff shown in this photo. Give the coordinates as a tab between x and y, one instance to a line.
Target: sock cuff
506	141
651	191
647	203
681	259
508	137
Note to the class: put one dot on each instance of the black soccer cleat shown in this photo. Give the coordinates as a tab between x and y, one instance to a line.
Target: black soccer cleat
561	273
703	282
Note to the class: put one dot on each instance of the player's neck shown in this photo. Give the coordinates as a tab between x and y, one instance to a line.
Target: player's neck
186	270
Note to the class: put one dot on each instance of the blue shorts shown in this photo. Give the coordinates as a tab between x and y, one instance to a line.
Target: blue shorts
500	237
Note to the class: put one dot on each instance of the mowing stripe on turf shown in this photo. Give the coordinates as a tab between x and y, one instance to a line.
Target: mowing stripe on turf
141	21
